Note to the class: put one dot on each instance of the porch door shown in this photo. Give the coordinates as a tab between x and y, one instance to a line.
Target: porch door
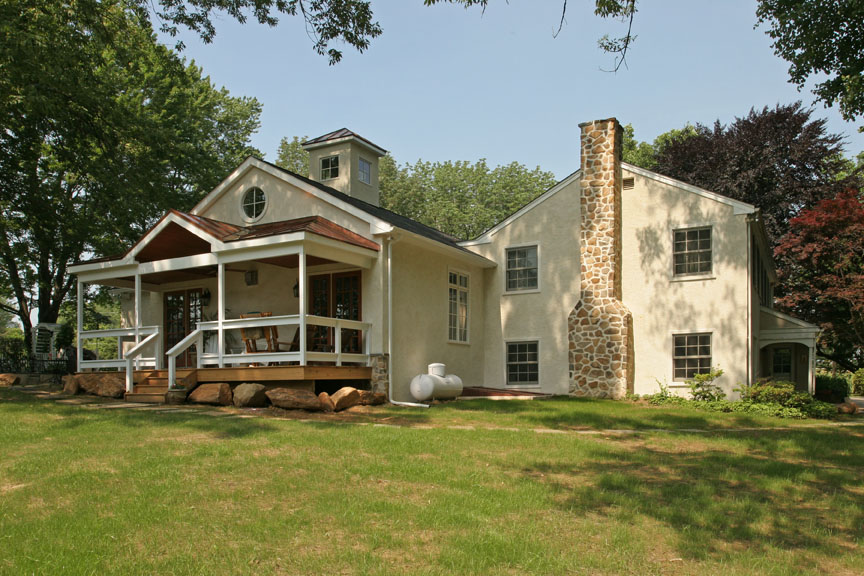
183	311
335	296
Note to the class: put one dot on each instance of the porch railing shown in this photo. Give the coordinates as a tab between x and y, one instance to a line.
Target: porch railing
337	356
120	362
133	355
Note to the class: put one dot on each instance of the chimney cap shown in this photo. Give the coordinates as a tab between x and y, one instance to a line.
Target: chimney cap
603	121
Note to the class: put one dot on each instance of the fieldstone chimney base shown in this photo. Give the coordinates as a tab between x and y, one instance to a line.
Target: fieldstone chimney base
600	326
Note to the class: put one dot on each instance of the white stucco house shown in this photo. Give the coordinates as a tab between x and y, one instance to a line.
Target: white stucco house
615	280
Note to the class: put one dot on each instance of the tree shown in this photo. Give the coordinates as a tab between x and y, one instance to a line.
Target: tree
459	198
821	38
645	155
822	275
292	156
779	160
102	130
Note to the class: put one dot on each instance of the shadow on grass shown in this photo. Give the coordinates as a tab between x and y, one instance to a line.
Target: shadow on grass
797	491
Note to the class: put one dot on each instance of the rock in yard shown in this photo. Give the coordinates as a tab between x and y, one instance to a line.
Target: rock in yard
291	399
218	393
7	380
70	385
250	396
326	402
847	408
107	384
369	398
346	398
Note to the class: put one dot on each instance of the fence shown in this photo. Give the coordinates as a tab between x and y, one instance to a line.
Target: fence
16	358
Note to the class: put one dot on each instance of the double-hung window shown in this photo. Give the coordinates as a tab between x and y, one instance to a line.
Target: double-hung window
329	167
692	251
364	171
457	319
691	355
522	268
523	363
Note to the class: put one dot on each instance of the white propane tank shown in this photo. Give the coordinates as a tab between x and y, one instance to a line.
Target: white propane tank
436	385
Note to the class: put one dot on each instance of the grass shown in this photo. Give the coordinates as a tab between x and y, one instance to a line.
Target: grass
87	491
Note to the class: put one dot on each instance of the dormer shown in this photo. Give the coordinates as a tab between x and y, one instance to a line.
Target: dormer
347	162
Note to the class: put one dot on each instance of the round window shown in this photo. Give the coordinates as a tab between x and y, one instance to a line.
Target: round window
254	201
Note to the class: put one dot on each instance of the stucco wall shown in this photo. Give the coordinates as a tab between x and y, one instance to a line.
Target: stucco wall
284	202
420	308
349	177
662	305
535	315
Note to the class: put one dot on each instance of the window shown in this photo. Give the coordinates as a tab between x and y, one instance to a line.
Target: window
523	365
457	323
522	268
364	169
782	362
692	251
329	167
692	355
254	202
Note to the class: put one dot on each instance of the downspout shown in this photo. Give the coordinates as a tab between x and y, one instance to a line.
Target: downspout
749	299
390	241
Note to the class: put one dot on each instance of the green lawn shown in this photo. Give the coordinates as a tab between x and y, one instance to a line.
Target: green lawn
99	491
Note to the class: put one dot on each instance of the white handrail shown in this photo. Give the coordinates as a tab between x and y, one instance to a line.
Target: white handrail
195	337
111	332
134	353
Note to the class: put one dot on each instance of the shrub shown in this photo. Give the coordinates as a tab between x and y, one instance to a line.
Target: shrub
818	409
831	388
702	386
770	391
858	382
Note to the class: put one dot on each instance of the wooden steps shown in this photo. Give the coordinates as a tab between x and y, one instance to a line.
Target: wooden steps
152	387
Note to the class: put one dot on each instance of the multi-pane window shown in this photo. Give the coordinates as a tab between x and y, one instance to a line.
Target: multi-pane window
457	321
523	364
522	268
692	251
782	362
691	356
254	202
329	167
364	170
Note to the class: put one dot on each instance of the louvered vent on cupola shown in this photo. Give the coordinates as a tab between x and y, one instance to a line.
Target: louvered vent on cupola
628	183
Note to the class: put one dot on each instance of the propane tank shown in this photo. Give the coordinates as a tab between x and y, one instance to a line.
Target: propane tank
436	385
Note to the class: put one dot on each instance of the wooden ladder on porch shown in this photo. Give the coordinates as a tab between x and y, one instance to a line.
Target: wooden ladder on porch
151	389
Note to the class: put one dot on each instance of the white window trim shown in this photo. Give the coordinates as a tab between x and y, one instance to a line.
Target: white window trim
467	340
539	282
321	167
360	172
680	383
539	383
693	277
249	219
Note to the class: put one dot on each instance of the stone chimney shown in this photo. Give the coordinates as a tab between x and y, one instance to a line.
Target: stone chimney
347	162
600	326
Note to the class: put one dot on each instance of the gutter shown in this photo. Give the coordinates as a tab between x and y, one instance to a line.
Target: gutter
390	240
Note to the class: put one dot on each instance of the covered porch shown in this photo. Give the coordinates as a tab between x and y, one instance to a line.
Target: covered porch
787	349
201	295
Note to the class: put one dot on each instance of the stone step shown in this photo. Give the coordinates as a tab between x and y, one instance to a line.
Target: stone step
146	398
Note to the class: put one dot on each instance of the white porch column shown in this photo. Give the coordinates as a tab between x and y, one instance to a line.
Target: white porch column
80	322
302	295
811	369
220	298
137	313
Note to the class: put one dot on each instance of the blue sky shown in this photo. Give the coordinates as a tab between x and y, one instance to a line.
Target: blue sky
445	83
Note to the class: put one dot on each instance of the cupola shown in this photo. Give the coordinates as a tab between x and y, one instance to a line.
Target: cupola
347	162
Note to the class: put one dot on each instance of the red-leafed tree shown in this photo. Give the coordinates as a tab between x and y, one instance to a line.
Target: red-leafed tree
821	264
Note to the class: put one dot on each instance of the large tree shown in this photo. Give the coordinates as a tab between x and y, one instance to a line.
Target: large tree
778	159
822	275
102	130
292	156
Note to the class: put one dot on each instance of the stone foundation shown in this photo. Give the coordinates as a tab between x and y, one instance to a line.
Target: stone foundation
380	364
600	327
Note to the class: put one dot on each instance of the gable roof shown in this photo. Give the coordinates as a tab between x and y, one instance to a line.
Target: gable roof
338	136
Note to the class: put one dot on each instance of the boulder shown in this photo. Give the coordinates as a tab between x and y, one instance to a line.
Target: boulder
346	398
250	395
847	408
107	384
218	393
176	396
70	385
7	380
369	398
291	399
326	402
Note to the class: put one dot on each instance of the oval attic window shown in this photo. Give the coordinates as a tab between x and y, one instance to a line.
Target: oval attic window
254	202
